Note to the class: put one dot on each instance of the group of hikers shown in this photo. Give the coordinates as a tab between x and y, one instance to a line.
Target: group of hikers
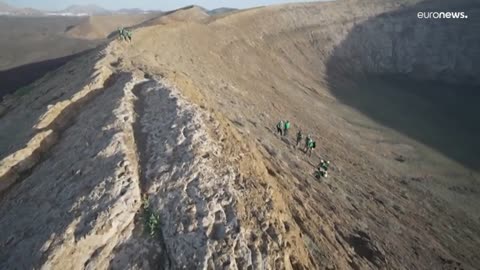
322	169
282	128
124	34
310	144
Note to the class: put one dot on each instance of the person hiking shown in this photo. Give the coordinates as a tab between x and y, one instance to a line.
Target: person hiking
312	144
128	35
322	169
307	143
287	127
280	127
320	173
121	33
299	137
124	34
324	165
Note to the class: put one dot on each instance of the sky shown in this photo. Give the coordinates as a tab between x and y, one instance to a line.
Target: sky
143	4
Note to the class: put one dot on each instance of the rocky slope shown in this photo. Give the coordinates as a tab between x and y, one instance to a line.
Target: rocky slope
162	154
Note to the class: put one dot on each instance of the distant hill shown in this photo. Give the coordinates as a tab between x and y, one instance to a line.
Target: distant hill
131	11
188	13
6	9
220	10
85	10
98	10
99	27
95	10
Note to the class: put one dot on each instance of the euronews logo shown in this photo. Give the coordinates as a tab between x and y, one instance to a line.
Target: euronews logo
441	15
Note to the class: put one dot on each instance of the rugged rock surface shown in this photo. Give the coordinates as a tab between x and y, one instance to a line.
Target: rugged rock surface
398	42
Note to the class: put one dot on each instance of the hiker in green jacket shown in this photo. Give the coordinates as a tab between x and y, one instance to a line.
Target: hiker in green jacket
128	35
280	127
124	34
121	33
287	127
299	137
324	165
320	173
322	169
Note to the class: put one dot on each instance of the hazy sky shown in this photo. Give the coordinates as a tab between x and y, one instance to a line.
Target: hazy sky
143	4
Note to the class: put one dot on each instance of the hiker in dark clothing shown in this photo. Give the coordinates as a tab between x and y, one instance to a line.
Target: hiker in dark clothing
308	140
124	34
299	137
121	33
312	144
324	164
280	127
322	169
320	173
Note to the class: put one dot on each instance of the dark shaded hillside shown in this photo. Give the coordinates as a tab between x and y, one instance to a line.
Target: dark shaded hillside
419	77
18	77
28	40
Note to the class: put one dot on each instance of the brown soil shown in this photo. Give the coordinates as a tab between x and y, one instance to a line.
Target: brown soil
182	120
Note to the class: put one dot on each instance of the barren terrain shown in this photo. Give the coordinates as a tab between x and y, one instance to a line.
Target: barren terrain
100	27
27	40
178	126
33	46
